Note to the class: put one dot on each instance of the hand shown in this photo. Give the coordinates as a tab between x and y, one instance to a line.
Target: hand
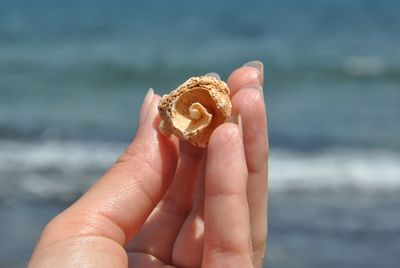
158	208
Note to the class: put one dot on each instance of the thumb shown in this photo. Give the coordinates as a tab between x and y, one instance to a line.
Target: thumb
118	204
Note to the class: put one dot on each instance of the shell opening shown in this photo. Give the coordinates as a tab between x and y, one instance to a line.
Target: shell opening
196	110
200	115
193	112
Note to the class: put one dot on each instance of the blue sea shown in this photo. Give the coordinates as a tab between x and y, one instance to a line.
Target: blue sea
73	75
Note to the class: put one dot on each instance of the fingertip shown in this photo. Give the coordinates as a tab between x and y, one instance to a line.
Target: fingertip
259	66
154	105
225	147
150	117
245	76
145	105
250	104
149	137
226	134
226	195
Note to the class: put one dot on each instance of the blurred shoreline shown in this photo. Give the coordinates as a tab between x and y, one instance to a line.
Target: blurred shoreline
58	171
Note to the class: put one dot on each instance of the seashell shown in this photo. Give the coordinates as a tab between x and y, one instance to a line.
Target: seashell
193	110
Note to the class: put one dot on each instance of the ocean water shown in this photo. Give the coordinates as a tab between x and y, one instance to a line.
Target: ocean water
73	75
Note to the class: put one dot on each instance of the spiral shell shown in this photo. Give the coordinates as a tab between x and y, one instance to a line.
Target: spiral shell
193	110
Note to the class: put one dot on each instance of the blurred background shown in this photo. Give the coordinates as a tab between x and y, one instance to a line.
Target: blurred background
73	75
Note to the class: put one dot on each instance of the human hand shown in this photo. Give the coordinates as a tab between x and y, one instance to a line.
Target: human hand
158	208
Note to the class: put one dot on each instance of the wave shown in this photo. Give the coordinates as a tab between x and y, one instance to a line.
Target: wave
52	170
335	169
364	66
61	170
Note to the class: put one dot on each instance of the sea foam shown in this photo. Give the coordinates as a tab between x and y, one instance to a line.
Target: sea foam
335	169
62	170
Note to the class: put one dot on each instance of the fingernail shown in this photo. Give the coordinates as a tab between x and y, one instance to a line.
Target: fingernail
153	110
149	96
259	66
213	74
237	120
145	105
256	64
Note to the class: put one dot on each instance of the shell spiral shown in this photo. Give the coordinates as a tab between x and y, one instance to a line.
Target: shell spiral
193	110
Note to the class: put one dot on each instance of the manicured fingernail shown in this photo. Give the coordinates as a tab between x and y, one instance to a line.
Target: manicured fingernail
215	75
153	110
259	66
149	96
145	106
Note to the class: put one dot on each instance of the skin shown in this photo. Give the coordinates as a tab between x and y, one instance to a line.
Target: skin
166	203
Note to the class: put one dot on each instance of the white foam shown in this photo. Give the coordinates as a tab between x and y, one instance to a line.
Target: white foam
61	170
364	66
52	169
63	155
338	168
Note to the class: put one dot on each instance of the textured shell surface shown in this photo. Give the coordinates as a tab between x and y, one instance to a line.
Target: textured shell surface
193	110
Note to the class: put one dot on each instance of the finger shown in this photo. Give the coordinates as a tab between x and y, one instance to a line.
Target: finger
251	74
136	259
146	105
188	248
118	204
227	227
158	235
249	102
